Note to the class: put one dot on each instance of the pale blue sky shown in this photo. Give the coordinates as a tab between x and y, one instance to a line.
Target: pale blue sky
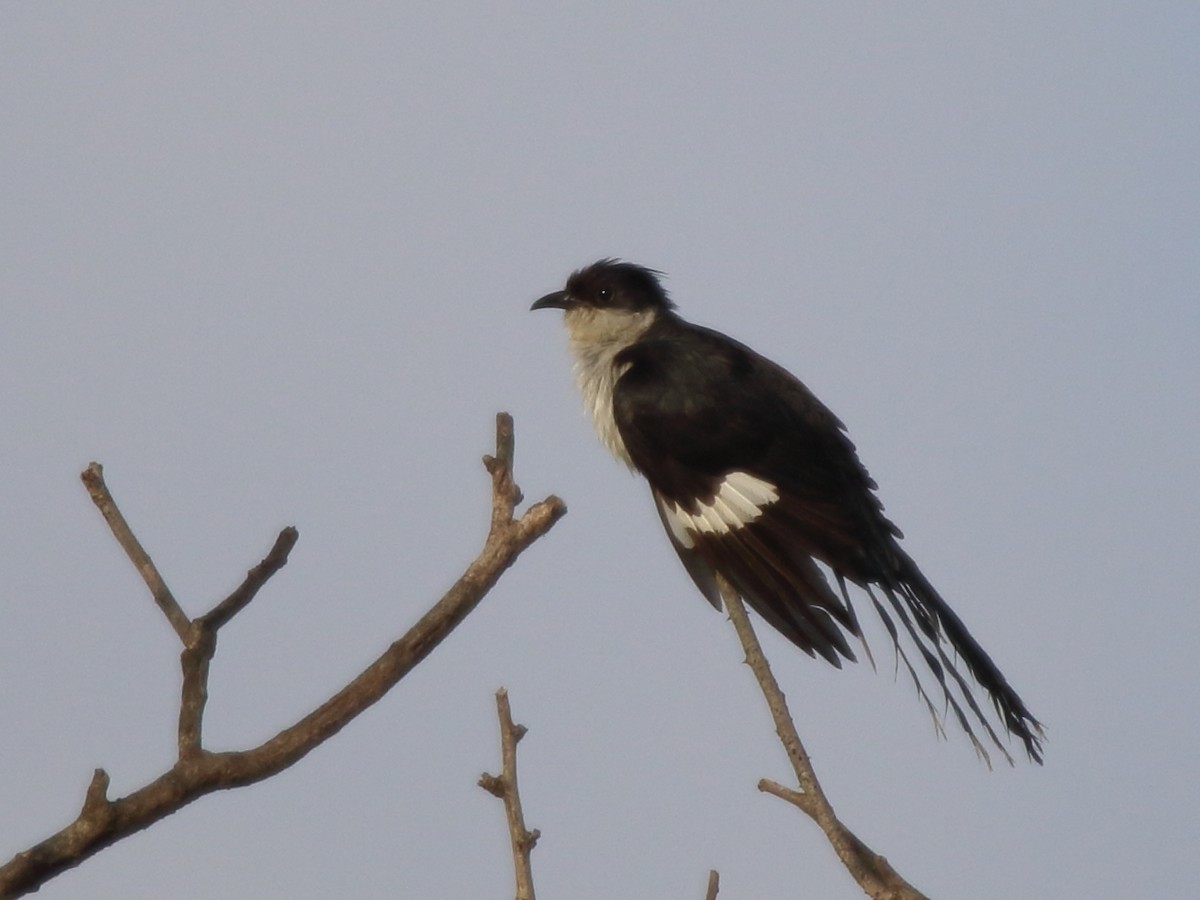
271	264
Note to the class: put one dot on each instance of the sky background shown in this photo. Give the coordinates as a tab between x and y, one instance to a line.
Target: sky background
271	264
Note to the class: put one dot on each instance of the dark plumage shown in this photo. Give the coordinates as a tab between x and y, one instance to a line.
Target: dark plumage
755	480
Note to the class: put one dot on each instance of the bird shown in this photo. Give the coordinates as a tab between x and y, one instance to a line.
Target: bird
759	486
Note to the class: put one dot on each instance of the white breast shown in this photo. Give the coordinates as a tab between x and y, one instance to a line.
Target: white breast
597	336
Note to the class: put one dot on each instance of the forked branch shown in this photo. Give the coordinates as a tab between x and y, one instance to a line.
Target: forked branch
197	771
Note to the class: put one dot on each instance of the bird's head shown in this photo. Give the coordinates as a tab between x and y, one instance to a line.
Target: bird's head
609	302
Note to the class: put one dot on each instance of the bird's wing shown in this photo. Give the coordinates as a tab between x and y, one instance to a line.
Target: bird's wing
753	479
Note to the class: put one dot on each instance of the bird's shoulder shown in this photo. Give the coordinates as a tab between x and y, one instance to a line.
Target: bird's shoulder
691	377
679	364
703	398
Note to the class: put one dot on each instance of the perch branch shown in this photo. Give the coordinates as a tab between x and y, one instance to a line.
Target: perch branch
197	772
505	787
872	872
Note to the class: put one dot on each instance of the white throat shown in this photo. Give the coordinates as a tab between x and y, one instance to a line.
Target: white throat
596	337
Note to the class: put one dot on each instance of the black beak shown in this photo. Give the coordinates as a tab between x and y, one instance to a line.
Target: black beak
557	300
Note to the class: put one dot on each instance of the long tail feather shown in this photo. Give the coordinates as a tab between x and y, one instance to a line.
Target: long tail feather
940	625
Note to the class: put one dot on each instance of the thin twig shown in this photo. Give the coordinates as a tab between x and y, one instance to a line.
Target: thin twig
255	579
93	478
872	872
102	822
714	885
505	787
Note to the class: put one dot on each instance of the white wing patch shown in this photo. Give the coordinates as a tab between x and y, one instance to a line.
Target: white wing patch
740	499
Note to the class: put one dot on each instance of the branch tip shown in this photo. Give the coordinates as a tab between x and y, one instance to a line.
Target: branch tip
493	785
799	799
504	438
97	792
276	559
93	479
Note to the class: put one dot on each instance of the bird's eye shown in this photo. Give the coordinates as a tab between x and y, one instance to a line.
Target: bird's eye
604	295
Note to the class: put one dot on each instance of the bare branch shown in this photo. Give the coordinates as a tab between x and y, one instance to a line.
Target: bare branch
199	637
505	787
714	885
872	872
198	772
93	478
201	644
255	579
